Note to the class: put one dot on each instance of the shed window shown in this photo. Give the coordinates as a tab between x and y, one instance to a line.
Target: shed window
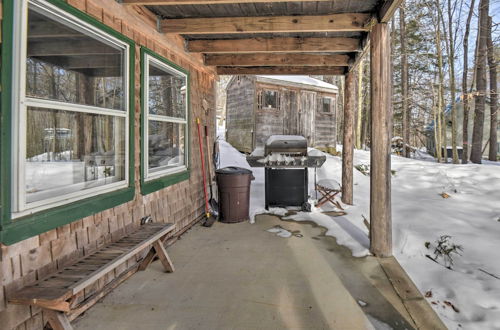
165	124
327	105
70	125
270	100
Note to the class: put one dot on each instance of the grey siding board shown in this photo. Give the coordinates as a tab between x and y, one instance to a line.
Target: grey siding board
325	124
240	107
267	123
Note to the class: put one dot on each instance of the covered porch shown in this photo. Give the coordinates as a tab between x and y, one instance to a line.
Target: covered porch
302	38
239	276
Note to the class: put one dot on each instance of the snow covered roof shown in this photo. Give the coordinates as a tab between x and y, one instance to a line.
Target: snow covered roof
299	80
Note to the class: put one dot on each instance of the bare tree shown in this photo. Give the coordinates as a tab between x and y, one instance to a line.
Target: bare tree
492	155
480	95
465	94
404	83
360	105
441	102
450	42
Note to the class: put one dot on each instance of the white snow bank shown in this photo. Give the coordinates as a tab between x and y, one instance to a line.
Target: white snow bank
420	214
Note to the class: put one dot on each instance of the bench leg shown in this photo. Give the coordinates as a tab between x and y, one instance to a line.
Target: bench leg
148	259
164	258
57	320
158	249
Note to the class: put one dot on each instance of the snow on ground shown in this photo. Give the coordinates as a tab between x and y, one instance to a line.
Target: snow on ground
471	216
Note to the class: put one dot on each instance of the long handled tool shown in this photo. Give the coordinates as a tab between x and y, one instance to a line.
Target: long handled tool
214	206
208	214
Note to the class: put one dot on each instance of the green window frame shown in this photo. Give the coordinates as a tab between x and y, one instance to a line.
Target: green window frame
13	230
149	185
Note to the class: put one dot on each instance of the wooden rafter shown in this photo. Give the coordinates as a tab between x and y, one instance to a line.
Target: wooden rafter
267	24
288	45
200	2
273	59
281	70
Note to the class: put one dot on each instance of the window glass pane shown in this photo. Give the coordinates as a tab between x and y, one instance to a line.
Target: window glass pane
68	152
166	145
167	92
270	99
65	64
327	103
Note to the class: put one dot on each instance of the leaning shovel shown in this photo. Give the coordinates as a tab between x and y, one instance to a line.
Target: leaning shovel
214	206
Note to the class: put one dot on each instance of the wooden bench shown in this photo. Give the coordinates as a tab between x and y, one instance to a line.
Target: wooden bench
70	291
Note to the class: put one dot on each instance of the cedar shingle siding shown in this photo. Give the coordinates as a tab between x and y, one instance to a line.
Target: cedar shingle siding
24	262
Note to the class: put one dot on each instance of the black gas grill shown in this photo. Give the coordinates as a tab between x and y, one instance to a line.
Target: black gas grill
286	160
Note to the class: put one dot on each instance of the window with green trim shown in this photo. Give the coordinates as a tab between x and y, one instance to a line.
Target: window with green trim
165	119
70	111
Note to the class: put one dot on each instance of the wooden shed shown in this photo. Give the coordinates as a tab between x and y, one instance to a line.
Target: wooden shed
260	106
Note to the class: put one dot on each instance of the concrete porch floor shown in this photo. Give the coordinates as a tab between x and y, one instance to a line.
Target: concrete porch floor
239	276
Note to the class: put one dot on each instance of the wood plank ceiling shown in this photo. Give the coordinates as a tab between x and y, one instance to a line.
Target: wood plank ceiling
273	36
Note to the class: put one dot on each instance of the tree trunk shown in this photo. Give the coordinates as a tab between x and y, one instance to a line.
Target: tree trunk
441	104
451	62
437	126
465	94
404	84
360	104
492	155
480	97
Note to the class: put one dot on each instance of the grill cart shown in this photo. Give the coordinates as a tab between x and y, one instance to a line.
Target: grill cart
286	161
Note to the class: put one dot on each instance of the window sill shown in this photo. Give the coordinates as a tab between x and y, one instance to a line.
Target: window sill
43	221
147	187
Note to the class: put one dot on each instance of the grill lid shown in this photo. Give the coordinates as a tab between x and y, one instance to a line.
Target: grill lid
286	144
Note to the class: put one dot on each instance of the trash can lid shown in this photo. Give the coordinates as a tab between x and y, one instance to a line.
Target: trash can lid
233	170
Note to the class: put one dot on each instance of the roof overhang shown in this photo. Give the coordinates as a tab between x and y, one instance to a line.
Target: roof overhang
273	37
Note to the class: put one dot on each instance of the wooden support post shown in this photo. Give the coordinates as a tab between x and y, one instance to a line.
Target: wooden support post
348	139
380	155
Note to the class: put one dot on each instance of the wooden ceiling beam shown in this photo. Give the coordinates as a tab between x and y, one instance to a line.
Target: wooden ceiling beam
267	24
281	70
274	45
272	59
201	2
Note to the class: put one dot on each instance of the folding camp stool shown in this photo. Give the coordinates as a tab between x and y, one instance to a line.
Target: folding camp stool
328	189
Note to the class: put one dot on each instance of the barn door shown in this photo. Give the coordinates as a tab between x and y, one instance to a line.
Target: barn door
290	114
307	110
